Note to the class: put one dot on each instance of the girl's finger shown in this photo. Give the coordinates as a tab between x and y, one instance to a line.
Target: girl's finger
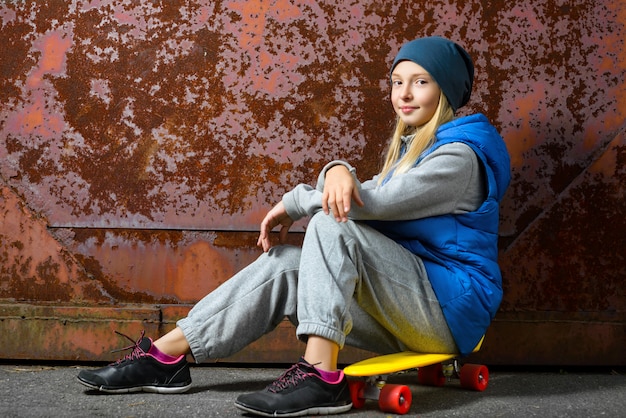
325	202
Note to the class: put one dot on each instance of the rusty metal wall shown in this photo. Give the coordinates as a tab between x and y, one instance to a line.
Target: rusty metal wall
141	142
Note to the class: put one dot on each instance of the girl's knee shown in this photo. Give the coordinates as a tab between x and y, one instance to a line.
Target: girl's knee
328	225
322	221
287	256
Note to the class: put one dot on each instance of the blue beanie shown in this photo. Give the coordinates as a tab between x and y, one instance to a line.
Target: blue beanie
448	63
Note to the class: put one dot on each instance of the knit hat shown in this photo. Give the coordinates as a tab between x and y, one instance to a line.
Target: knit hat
448	63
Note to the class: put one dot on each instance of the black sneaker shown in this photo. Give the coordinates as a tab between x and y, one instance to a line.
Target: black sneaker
139	371
299	391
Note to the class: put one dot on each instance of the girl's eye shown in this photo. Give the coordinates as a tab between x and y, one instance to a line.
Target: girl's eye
396	83
421	82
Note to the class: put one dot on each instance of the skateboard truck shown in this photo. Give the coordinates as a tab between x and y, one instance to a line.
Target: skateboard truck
472	376
390	397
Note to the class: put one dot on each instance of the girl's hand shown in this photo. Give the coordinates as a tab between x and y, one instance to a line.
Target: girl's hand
340	189
276	216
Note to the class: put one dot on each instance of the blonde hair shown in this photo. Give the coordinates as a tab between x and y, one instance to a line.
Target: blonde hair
423	139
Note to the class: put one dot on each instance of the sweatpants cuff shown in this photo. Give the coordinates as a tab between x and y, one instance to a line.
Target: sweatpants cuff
305	330
197	350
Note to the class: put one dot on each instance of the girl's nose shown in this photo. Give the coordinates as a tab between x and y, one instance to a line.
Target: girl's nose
405	93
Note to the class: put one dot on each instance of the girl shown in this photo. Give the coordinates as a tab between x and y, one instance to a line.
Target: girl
404	261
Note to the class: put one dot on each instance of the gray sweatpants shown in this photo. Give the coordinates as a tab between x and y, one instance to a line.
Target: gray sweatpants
348	283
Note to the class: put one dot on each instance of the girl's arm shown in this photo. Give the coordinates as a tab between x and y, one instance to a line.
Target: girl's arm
276	216
449	180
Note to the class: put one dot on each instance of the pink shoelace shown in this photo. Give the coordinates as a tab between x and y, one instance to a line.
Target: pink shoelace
136	352
291	377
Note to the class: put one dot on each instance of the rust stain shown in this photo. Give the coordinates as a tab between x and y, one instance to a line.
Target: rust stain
160	266
38	117
53	47
525	107
577	108
569	259
265	75
33	265
86	333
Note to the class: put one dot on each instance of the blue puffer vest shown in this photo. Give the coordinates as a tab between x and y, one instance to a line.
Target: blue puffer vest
460	252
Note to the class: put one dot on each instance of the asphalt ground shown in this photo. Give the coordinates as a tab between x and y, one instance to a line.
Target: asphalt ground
52	390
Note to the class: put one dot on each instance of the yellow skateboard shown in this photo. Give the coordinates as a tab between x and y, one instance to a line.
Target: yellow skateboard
432	370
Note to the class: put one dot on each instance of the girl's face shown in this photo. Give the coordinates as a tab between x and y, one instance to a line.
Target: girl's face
414	93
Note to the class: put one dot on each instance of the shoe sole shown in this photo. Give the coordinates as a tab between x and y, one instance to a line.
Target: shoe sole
150	389
321	410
